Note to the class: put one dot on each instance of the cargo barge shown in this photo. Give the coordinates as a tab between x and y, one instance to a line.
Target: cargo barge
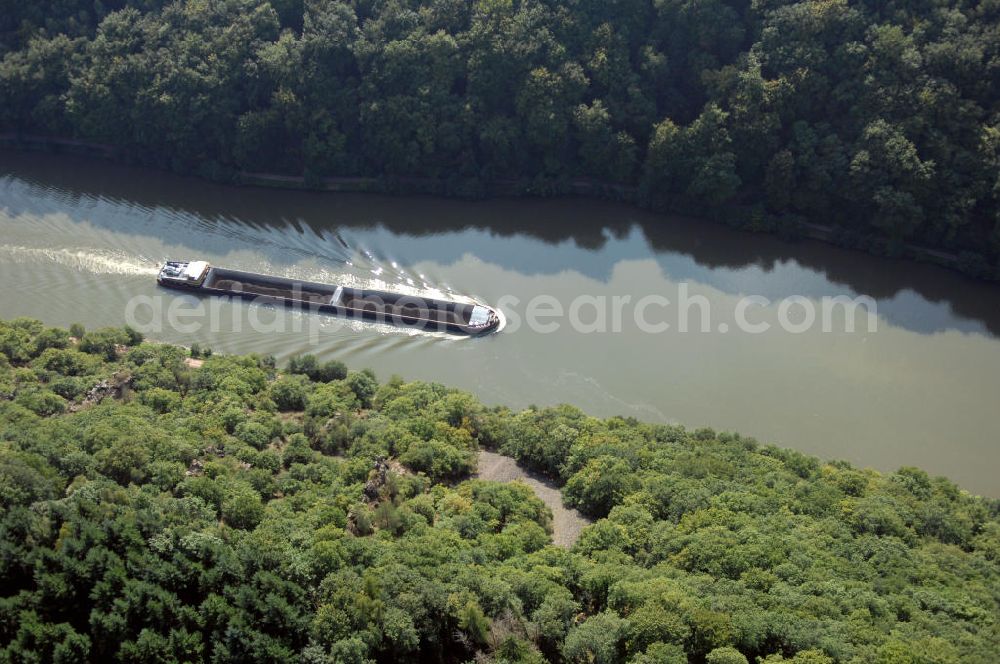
375	305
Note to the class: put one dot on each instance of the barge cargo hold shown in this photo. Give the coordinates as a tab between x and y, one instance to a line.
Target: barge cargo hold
382	306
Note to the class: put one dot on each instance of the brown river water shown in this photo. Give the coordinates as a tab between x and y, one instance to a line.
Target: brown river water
916	384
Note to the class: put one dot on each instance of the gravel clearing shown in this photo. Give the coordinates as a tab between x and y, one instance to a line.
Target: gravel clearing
566	523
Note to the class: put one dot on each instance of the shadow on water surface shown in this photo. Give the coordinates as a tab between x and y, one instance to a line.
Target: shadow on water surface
687	249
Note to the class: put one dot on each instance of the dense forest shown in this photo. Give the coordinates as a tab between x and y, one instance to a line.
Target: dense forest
152	510
877	118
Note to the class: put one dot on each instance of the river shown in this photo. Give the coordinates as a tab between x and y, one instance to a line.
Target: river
80	241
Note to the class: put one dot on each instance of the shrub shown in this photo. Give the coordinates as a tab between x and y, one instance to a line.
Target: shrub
331	399
333	370
104	342
133	337
66	362
41	402
601	485
725	655
69	387
289	393
304	365
253	433
364	385
308	365
661	653
16	344
297	451
161	400
51	338
438	460
244	510
596	640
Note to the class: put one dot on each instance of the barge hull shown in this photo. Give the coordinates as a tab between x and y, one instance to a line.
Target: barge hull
379	306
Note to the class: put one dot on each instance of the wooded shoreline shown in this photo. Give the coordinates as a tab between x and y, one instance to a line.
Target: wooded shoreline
507	188
154	510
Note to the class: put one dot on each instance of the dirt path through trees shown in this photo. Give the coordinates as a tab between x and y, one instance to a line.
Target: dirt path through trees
566	523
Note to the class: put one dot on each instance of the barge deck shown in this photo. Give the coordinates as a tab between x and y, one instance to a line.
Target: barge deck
382	306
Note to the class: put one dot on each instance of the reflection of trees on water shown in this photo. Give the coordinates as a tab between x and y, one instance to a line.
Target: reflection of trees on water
588	224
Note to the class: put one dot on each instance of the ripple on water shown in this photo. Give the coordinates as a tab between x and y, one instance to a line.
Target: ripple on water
88	260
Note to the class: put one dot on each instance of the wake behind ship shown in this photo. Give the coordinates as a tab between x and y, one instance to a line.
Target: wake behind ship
376	305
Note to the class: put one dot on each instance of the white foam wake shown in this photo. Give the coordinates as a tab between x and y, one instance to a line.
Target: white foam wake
97	262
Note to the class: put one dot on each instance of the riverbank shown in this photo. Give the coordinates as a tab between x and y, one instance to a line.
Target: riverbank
743	218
